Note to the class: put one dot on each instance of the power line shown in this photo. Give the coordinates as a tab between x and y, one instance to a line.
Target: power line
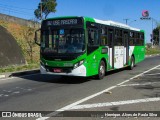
10	6
4	11
13	9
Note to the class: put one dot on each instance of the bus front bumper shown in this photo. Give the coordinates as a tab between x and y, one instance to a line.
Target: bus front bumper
79	71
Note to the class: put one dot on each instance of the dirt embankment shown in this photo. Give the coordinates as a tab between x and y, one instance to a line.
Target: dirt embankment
10	52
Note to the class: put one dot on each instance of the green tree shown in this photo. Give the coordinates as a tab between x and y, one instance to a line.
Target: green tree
156	36
46	7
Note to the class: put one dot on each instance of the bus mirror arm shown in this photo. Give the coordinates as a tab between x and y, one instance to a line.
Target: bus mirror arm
37	42
36	38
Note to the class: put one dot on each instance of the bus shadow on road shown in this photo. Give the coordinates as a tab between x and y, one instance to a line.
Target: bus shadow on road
56	79
78	80
63	79
72	80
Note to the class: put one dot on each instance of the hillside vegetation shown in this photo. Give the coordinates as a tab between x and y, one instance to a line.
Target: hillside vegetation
25	38
152	51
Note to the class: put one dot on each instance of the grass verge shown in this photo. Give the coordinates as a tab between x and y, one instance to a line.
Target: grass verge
152	51
17	68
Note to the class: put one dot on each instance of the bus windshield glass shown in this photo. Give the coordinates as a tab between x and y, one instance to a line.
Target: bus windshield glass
63	41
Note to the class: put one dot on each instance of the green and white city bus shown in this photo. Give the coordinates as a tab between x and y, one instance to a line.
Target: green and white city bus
83	46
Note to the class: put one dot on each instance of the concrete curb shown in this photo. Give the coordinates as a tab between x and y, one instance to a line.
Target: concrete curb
21	73
152	55
2	76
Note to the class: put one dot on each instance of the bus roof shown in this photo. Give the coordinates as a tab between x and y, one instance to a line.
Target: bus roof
105	22
113	23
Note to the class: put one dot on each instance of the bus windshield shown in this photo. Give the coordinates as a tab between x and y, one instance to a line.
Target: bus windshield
63	41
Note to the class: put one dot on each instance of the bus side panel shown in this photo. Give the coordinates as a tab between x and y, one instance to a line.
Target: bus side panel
142	53
93	61
139	53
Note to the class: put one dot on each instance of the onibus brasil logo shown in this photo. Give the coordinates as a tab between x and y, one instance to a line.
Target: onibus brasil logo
145	15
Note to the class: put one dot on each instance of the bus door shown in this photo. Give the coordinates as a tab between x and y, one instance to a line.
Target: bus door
126	48
118	49
111	47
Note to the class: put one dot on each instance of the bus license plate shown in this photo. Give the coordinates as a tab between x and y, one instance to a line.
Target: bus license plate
57	70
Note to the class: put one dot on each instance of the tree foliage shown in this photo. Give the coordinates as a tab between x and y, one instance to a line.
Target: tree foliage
47	7
155	39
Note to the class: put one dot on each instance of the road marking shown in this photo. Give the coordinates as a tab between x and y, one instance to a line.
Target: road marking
153	74
29	89
16	92
43	118
6	91
158	68
139	75
92	96
107	104
148	83
24	89
6	95
1	95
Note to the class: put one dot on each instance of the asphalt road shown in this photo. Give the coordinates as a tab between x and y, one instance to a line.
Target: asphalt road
50	93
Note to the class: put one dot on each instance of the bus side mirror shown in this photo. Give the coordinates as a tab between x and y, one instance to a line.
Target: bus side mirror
37	37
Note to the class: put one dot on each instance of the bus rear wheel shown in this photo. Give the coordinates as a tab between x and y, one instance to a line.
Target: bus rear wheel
101	70
132	63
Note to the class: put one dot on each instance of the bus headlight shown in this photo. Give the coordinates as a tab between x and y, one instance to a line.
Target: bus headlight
78	64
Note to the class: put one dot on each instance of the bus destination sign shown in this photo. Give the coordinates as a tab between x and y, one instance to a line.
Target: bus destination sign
64	22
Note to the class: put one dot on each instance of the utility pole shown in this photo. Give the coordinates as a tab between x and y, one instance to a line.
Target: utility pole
154	20
152	33
159	37
126	20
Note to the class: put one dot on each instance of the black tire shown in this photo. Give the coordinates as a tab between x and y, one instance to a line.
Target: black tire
132	63
101	70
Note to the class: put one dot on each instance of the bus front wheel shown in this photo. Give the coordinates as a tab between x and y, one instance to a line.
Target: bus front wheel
101	70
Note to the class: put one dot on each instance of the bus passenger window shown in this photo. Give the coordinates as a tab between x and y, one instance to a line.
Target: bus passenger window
45	39
118	38
103	38
93	37
132	39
